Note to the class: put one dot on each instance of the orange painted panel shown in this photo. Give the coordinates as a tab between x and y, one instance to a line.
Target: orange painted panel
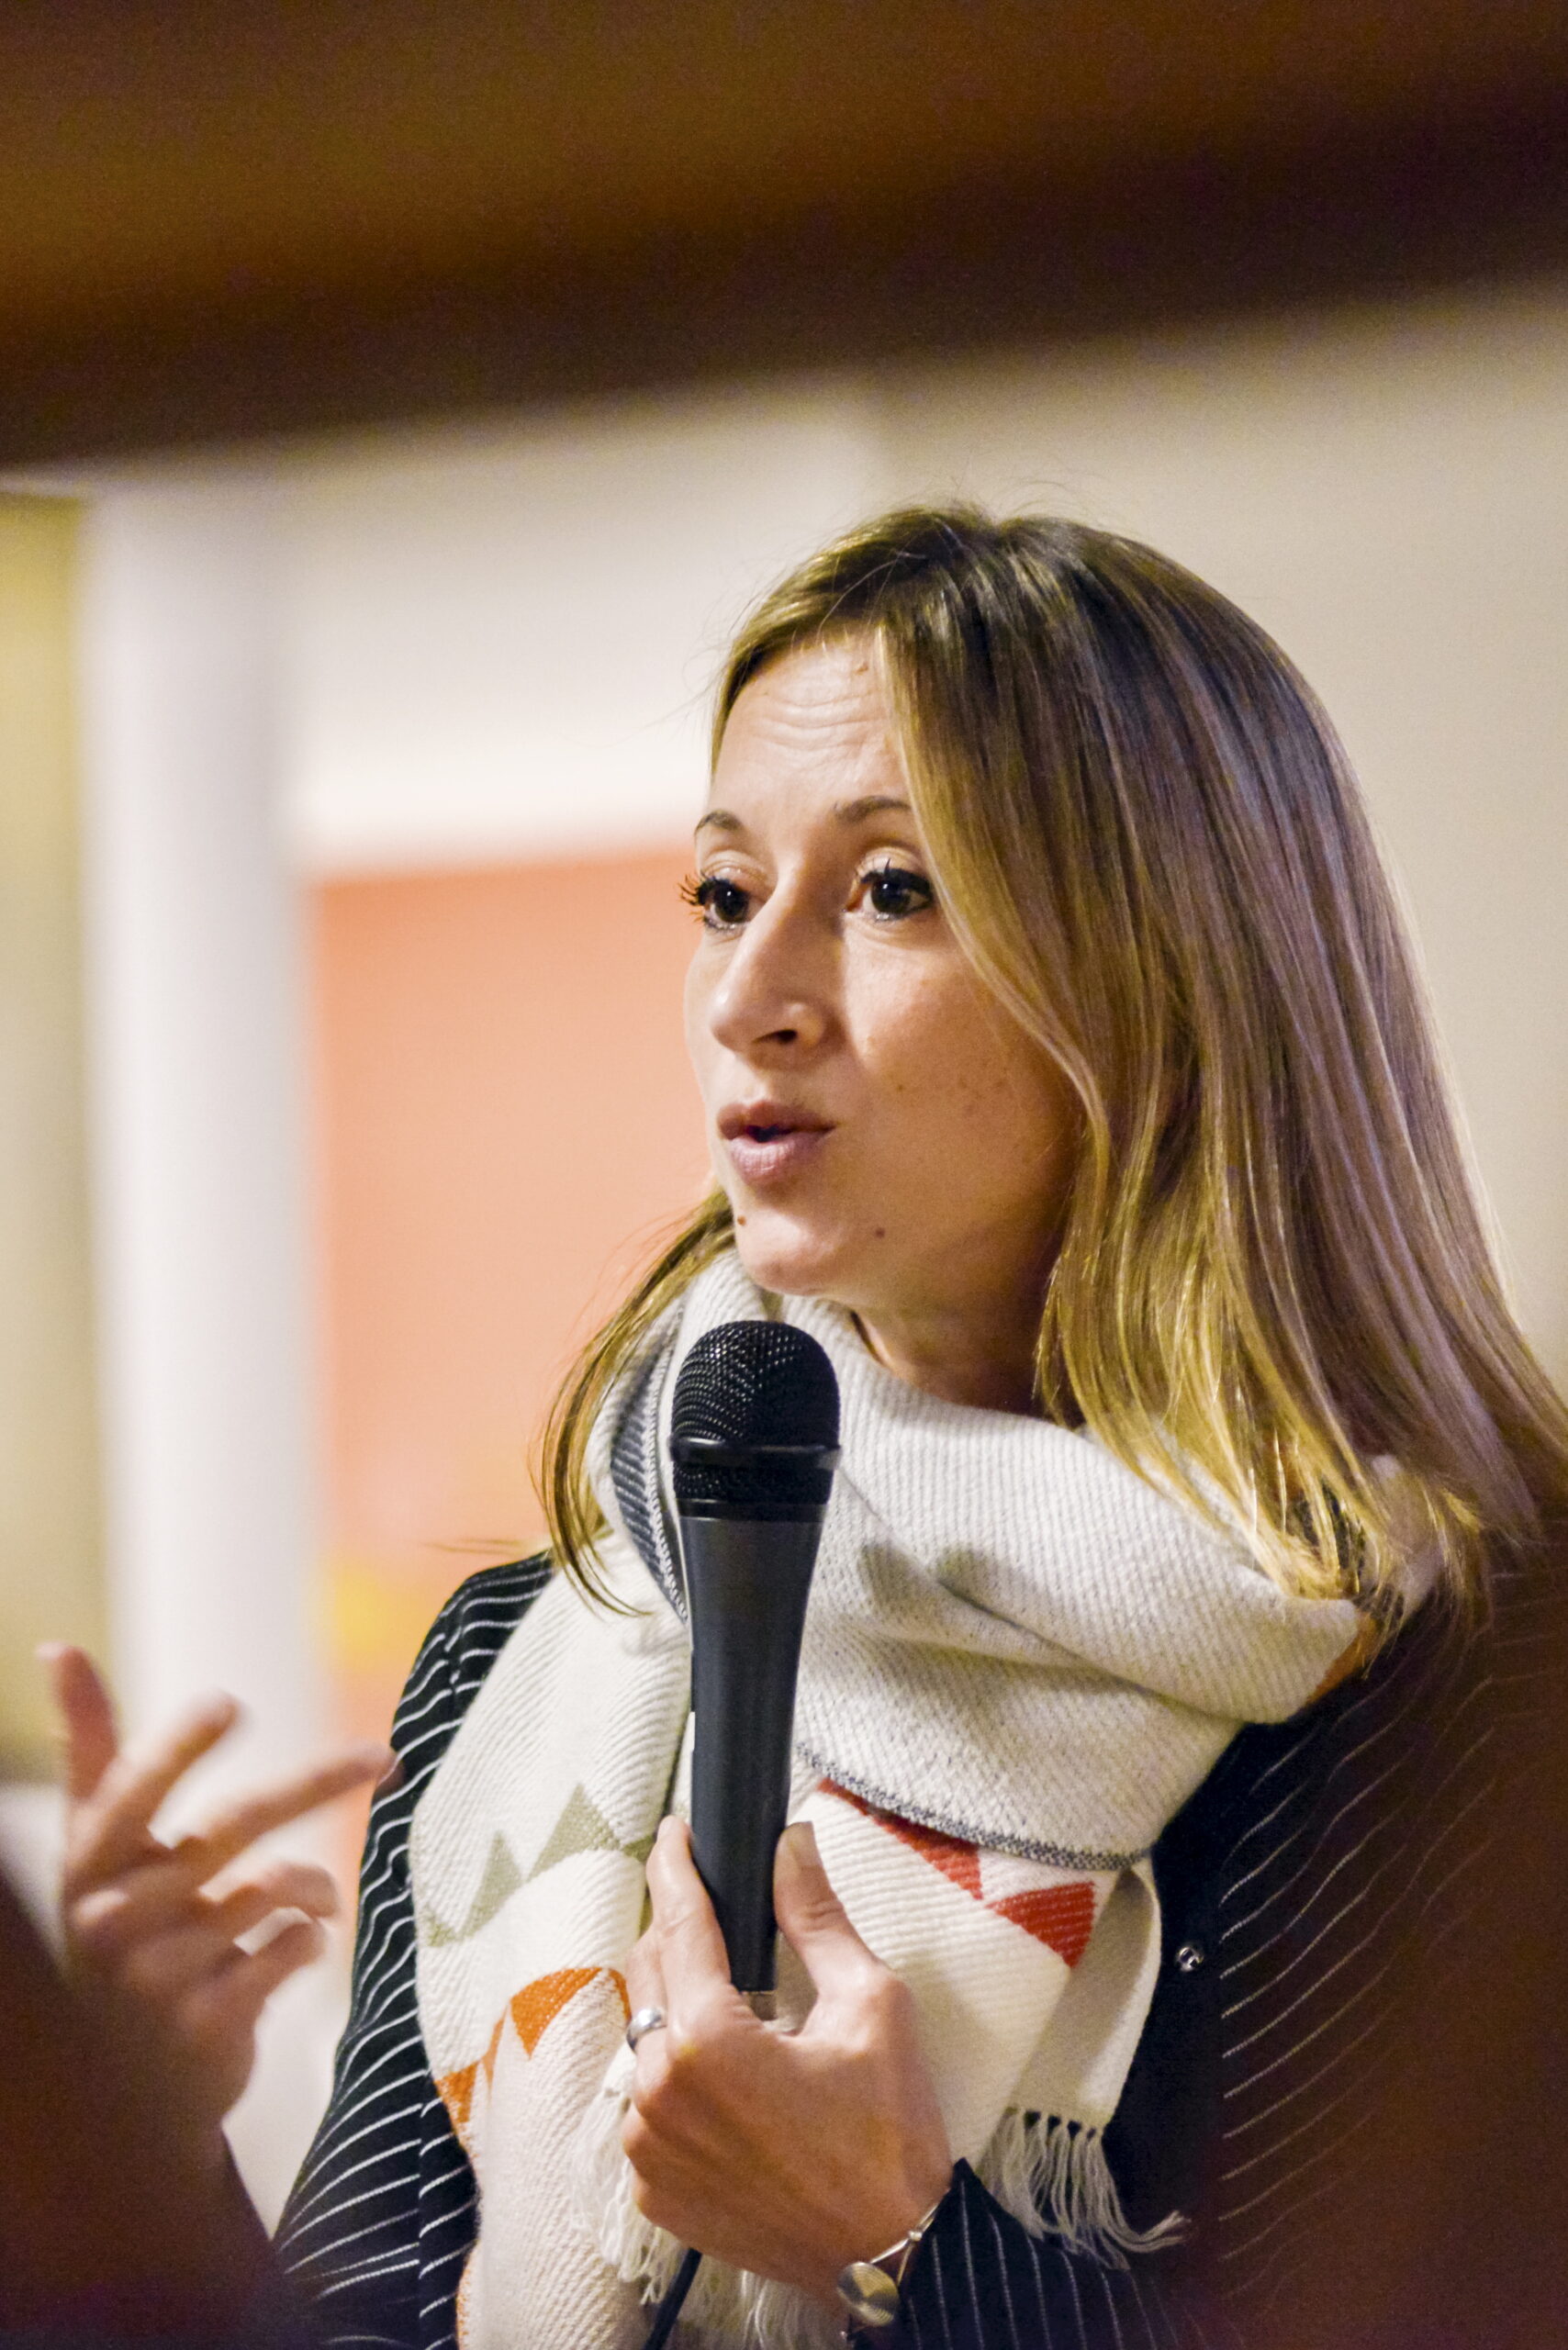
505	1117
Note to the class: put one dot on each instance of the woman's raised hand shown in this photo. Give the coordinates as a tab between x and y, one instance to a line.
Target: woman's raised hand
152	1928
789	2153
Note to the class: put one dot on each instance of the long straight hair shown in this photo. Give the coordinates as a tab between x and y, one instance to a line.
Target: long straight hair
1273	1294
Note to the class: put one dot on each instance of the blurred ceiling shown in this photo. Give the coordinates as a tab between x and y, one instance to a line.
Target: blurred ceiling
217	221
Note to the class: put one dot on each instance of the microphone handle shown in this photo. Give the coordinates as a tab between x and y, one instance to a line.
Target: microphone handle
747	1580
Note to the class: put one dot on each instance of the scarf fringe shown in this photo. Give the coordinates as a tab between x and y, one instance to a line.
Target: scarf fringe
724	2305
1054	2180
1051	2176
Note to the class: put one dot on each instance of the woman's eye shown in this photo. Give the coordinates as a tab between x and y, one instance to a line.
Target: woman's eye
892	890
723	905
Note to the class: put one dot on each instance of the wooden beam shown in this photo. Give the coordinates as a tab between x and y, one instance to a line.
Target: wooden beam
216	222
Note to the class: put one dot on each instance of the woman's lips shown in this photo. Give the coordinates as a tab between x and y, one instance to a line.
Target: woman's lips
770	1149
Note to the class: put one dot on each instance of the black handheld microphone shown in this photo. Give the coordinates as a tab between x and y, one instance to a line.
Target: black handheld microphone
753	1442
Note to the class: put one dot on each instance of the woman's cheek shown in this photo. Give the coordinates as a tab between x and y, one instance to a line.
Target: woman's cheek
700	1049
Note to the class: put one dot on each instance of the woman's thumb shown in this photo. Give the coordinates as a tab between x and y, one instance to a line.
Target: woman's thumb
810	1915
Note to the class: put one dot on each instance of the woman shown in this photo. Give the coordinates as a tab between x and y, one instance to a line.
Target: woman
1065	1076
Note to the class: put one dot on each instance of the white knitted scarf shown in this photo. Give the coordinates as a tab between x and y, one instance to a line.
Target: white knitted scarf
1020	1660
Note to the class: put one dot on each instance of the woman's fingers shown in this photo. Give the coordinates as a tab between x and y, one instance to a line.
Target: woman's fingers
121	1792
691	1947
171	1964
691	1954
90	1737
229	2003
282	1885
815	1924
645	1976
156	1912
106	1922
170	1952
112	1830
207	1849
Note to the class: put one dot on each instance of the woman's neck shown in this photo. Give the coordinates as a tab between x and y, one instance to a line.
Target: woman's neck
987	1362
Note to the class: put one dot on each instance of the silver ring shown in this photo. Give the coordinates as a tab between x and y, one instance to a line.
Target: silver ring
646	2019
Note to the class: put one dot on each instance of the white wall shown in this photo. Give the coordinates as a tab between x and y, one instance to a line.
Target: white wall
196	1055
501	641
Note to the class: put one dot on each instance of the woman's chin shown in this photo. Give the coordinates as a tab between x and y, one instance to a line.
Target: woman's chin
779	1255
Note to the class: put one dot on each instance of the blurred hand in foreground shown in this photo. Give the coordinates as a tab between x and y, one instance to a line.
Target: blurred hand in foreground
181	1942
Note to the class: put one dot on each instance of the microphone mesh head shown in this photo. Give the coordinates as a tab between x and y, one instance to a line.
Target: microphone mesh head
756	1384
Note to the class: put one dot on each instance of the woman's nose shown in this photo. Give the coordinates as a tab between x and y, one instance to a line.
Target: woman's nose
774	995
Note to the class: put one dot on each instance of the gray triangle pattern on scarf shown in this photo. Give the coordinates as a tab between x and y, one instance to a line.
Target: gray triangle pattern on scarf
501	1879
583	1828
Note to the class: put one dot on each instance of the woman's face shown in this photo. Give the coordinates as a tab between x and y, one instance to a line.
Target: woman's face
888	1135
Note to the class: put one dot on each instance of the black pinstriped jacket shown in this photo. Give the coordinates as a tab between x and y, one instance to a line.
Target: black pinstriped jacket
1312	1902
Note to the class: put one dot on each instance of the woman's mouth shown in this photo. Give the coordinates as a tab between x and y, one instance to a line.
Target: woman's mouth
768	1143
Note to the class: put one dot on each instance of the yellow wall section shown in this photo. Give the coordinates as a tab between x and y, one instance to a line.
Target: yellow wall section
51	1574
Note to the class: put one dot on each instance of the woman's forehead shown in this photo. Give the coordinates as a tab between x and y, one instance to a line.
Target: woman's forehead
818	721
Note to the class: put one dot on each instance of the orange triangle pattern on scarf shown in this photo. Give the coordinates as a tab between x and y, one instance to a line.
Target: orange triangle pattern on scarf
532	2010
950	1854
536	2007
1060	1915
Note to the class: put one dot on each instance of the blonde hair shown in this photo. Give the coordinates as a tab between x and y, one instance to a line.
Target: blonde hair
1273	1278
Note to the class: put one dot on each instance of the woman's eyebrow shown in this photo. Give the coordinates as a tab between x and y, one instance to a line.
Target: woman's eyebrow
846	813
854	811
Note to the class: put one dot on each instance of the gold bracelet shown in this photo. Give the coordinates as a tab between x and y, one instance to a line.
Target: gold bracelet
869	2289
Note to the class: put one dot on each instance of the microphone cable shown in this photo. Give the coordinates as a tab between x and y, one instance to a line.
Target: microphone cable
669	2309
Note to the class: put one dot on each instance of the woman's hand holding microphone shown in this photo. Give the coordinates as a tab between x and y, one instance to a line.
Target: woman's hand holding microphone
153	1930
789	2154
